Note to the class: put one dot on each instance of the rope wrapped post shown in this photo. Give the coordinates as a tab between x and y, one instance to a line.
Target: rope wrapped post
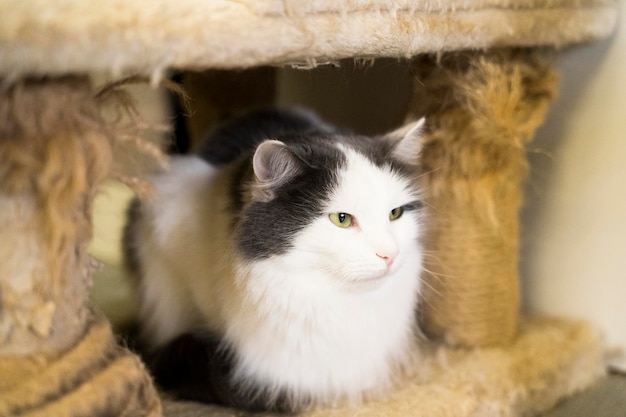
482	108
57	357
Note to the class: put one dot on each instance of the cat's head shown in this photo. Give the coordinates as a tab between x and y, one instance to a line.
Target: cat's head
348	206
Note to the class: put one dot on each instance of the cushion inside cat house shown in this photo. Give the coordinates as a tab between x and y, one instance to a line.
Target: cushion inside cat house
480	73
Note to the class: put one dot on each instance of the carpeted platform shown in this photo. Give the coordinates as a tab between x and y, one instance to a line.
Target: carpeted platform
550	359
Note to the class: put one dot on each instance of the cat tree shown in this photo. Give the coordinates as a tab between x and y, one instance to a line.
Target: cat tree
482	77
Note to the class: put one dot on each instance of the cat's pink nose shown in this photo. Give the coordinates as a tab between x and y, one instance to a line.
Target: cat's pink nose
387	256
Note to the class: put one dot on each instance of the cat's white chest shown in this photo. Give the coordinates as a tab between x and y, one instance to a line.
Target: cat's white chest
321	341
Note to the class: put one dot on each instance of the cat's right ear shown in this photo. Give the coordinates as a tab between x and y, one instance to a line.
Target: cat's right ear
407	141
274	164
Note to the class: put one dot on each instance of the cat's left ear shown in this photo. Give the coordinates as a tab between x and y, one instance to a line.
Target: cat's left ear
274	164
407	142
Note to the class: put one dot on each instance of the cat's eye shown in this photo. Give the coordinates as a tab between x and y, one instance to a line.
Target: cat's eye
396	213
341	219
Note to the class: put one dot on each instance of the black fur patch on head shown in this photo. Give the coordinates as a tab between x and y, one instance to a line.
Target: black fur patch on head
199	367
238	137
268	227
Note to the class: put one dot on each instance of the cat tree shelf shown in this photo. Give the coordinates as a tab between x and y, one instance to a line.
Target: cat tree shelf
481	78
39	37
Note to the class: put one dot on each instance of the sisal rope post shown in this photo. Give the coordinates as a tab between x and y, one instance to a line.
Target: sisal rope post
482	109
57	357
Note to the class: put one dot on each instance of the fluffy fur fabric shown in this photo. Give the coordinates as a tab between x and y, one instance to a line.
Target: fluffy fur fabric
56	146
549	360
145	36
73	382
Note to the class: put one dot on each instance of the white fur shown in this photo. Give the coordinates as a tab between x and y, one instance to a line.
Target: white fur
328	319
184	251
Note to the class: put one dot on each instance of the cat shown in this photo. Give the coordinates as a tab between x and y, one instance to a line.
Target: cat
278	267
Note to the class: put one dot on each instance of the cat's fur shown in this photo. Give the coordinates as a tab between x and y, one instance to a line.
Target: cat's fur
249	295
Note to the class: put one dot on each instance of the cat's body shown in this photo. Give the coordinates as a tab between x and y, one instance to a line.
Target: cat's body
255	290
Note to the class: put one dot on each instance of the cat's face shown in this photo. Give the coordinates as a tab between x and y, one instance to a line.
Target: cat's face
346	207
368	227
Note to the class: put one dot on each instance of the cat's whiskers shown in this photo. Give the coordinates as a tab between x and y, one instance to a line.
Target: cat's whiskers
425	173
431	206
428	284
429	257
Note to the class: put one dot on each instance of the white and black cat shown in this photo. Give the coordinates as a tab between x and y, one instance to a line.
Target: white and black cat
279	267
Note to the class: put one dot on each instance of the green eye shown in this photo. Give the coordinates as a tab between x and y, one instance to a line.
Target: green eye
396	213
341	219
